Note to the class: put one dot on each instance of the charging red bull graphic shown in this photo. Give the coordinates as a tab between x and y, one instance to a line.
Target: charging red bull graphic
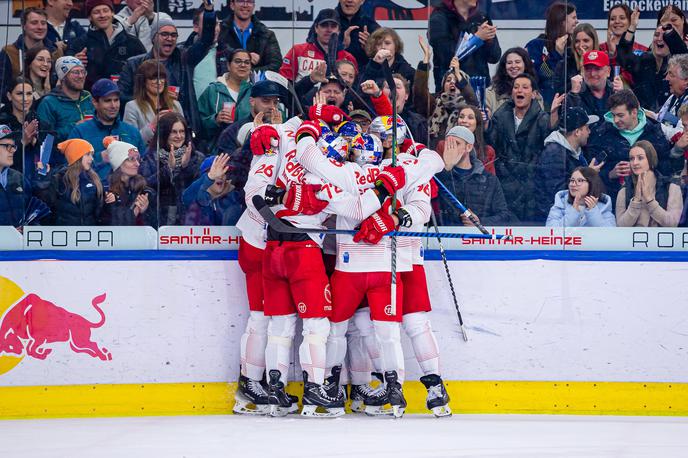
31	325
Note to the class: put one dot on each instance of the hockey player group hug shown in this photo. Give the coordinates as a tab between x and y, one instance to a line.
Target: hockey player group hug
326	172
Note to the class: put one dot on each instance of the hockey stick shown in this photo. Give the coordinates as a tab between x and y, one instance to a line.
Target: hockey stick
278	225
446	269
462	208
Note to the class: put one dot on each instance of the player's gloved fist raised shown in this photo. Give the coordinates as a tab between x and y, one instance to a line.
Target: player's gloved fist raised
374	227
301	198
391	179
408	146
327	113
264	139
308	129
274	195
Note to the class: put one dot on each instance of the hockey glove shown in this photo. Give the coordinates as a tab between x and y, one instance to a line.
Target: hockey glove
301	198
264	139
274	195
411	147
390	180
404	218
434	190
374	227
308	129
327	113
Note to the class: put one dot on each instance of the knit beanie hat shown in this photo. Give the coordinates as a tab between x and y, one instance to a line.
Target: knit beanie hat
65	65
161	20
90	4
462	133
74	149
117	152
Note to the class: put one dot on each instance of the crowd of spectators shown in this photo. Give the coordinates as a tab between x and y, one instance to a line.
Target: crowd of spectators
567	131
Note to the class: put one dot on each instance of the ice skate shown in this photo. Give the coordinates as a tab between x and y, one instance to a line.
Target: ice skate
279	401
251	398
369	400
332	386
438	399
395	395
318	403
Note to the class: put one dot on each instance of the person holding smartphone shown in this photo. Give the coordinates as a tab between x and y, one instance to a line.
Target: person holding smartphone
583	204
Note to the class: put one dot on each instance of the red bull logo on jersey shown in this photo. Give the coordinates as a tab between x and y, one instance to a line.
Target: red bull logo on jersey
31	326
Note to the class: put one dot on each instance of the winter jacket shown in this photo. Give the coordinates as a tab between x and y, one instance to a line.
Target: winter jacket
417	124
555	165
607	138
140	29
106	57
212	101
363	21
31	152
94	131
202	210
58	113
72	30
262	41
446	27
664	211
638	49
135	116
562	213
121	212
545	63
13	199
373	70
648	81
86	212
517	154
10	62
478	190
587	101
302	59
170	184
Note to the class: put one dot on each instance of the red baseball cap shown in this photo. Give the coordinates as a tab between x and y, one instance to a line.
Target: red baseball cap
596	58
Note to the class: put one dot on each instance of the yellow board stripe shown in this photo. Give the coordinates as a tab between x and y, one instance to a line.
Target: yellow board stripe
578	398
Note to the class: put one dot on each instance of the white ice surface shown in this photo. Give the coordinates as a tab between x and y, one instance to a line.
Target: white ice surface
352	436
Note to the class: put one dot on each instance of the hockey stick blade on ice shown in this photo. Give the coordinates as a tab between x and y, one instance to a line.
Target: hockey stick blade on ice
279	226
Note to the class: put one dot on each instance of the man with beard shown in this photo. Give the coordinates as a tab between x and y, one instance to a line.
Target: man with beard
592	89
106	123
67	104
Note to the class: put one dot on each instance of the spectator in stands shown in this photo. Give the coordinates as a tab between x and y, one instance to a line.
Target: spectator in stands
512	63
67	104
179	62
356	28
625	124
673	15
134	201
242	30
227	99
308	87
19	116
303	58
362	118
214	62
12	187
137	17
677	76
467	179
471	118
449	24
547	50
385	44
647	199
152	98
517	132
106	123
38	64
211	200
170	165
34	22
584	39
618	22
680	148
562	155
61	29
592	90
76	193
584	204
416	123
106	46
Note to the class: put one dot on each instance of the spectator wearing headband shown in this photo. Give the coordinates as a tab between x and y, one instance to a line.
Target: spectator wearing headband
106	46
243	30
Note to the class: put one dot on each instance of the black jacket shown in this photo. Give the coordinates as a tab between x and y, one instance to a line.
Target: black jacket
262	42
479	190
517	153
587	101
361	20
444	29
105	59
13	199
373	71
86	212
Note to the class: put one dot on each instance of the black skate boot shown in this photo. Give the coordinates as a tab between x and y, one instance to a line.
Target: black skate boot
332	386
279	401
438	399
318	403
395	395
251	398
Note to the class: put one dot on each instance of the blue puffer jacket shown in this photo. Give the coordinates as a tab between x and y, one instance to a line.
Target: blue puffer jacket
13	199
562	213
202	209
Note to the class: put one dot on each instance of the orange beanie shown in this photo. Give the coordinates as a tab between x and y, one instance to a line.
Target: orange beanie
74	149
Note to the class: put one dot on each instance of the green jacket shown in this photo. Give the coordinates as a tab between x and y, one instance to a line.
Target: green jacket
213	99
